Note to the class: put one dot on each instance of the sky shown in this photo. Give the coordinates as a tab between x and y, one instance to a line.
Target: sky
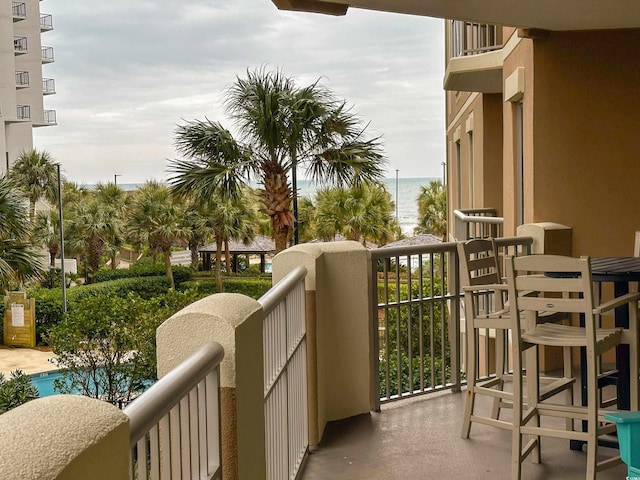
127	73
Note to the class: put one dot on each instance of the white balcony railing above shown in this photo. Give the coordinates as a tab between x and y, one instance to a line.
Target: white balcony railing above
469	38
46	22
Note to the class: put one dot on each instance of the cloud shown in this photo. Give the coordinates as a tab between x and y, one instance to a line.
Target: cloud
128	72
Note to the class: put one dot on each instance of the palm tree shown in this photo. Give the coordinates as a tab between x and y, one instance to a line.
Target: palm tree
282	127
46	231
156	220
19	261
432	209
115	197
90	227
362	213
36	173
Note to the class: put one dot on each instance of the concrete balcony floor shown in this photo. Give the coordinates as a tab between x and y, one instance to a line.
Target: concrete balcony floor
419	439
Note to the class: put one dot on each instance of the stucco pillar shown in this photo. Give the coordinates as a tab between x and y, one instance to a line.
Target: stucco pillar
548	237
235	321
338	328
64	437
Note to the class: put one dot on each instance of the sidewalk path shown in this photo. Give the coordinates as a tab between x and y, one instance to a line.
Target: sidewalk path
26	359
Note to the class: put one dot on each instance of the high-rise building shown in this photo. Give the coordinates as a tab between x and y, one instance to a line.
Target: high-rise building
22	84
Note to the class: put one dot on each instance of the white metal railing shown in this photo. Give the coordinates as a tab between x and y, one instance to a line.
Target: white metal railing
468	38
20	45
477	223
48	86
49	117
285	376
47	54
46	22
22	78
23	112
19	10
416	317
175	424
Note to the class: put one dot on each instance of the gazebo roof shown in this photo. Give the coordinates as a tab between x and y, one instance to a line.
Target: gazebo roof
259	245
422	239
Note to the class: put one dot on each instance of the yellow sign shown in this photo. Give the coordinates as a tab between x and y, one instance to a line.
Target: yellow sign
19	320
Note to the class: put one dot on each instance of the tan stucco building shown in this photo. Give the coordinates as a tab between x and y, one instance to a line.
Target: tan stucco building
542	111
22	86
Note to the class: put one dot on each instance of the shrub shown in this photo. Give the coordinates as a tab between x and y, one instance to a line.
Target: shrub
49	302
16	390
251	287
146	287
106	346
180	273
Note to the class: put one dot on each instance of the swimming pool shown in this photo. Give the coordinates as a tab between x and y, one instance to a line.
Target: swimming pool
44	382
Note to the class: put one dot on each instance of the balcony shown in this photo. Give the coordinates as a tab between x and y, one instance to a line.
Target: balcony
476	58
48	86
319	324
19	45
22	79
50	117
47	55
19	11
46	22
23	112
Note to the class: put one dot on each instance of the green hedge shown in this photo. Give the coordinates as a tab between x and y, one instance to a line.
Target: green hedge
251	287
49	302
180	274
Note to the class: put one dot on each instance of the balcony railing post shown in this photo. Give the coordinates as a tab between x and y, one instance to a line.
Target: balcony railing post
235	322
337	295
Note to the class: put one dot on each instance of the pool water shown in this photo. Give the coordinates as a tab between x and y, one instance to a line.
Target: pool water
44	382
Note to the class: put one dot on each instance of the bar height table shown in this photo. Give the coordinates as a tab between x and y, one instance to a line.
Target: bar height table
620	271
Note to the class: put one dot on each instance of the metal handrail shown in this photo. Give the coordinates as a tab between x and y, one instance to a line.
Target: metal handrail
147	410
481	217
278	292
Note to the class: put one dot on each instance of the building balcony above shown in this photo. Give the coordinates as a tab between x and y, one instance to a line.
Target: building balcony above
475	63
23	112
46	22
22	79
47	55
19	45
48	86
19	11
48	119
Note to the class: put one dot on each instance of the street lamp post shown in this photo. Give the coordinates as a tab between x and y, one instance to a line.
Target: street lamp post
397	200
115	178
64	280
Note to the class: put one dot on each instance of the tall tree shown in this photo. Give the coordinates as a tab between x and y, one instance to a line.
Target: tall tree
89	230
19	261
362	213
46	232
156	220
111	195
432	210
283	127
36	173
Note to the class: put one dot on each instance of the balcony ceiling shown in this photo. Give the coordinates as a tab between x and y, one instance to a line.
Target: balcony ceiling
543	14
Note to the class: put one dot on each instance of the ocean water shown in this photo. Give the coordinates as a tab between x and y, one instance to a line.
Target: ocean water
406	202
